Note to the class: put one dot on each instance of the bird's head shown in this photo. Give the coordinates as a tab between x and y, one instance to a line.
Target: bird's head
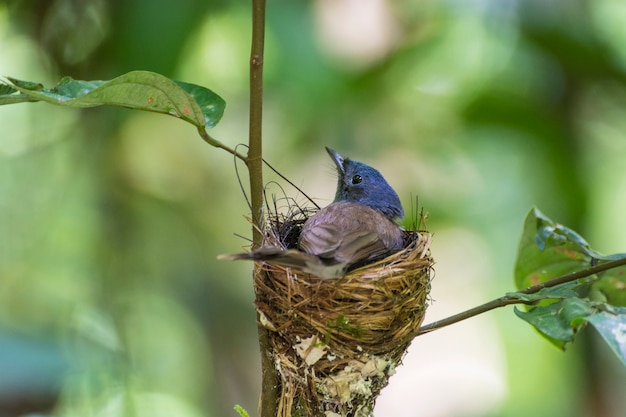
360	183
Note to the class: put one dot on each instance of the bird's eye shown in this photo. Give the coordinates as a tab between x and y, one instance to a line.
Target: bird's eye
357	179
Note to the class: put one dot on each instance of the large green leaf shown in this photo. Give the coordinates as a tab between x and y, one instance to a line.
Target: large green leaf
547	250
142	90
611	287
611	324
561	321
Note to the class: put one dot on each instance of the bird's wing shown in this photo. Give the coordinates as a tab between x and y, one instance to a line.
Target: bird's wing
322	240
329	242
349	233
359	246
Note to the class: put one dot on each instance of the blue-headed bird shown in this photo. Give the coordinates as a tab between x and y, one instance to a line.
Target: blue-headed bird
358	227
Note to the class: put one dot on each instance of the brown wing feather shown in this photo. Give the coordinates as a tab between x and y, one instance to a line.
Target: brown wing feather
349	233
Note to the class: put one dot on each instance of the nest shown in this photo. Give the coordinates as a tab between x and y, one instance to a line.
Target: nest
335	342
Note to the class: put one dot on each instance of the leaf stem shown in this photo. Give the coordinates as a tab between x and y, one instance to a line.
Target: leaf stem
510	299
216	143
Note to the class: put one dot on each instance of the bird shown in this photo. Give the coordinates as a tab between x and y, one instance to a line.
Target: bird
359	226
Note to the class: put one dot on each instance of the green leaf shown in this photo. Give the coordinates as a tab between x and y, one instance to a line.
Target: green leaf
241	411
211	104
558	292
140	90
28	85
547	250
559	322
8	95
6	89
611	324
611	287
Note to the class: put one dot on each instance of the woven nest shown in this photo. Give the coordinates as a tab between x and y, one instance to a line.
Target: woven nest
335	342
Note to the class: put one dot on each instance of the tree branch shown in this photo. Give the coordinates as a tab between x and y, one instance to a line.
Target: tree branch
255	153
510	299
254	161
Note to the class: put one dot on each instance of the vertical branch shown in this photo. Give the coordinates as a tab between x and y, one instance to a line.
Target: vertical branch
255	154
254	161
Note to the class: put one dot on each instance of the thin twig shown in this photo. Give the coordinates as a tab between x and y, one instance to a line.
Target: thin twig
285	179
512	299
291	183
241	186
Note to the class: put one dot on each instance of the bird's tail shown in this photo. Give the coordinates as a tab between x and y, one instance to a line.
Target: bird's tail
291	258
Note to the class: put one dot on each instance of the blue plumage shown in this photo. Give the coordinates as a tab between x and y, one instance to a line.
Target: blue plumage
356	228
361	184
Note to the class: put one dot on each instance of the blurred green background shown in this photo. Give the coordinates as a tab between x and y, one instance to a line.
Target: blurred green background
111	300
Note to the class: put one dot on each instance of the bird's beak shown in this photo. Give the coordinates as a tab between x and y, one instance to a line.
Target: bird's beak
337	159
